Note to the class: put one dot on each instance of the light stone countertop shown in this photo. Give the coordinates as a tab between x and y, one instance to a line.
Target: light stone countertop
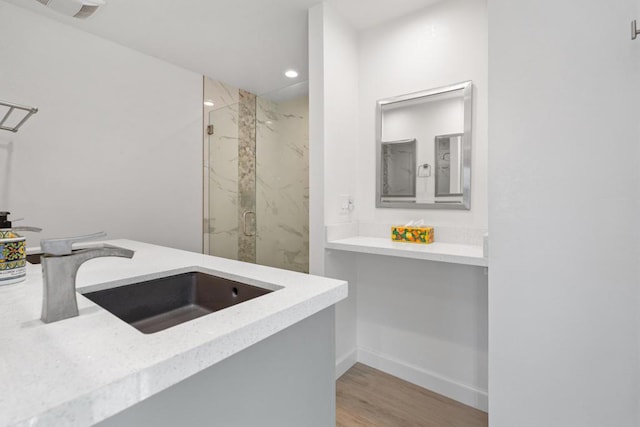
456	245
82	370
455	253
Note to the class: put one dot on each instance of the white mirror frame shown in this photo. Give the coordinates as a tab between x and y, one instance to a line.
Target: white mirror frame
465	204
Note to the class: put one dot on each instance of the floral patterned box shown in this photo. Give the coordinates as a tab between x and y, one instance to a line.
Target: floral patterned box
422	235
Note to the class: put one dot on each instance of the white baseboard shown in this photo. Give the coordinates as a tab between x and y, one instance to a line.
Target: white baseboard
345	362
445	386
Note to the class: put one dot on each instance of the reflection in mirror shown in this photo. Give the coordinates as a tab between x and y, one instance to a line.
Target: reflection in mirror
399	168
424	149
448	165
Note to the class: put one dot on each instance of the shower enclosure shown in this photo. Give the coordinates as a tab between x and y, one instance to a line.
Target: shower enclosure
257	176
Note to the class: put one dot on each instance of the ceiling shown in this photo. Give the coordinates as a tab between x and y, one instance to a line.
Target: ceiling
245	43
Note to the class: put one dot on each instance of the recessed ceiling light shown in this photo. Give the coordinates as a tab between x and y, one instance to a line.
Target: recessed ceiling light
208	103
292	74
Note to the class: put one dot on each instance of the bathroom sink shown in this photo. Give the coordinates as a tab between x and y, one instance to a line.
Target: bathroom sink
34	258
158	304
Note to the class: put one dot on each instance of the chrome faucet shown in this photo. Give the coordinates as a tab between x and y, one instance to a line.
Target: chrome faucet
60	266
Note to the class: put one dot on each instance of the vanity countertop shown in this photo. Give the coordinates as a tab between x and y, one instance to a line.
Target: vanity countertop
82	370
455	253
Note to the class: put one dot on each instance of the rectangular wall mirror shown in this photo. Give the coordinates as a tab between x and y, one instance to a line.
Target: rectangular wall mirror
423	149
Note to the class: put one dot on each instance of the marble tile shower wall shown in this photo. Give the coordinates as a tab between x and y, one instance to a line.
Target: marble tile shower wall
247	176
283	183
258	161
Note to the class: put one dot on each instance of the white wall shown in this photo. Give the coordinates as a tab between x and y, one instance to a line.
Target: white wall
333	131
116	145
424	322
563	213
442	44
341	86
316	139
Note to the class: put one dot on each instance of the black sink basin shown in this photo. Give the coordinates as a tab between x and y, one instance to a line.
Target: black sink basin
34	258
159	304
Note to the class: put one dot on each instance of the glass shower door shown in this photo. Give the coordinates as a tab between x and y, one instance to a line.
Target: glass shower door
258	178
232	192
223	182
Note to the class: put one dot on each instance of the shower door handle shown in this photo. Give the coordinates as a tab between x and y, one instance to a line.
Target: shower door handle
244	223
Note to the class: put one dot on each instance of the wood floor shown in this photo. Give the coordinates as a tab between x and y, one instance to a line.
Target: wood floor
368	397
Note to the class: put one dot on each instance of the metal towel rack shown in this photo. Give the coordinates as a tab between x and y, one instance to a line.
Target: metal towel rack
634	30
30	111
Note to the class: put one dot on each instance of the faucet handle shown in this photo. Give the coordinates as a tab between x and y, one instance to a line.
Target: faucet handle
63	246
